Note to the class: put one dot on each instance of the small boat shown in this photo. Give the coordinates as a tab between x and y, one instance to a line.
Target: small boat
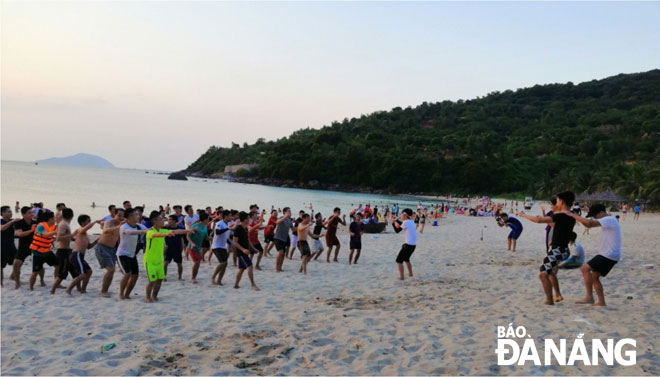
374	227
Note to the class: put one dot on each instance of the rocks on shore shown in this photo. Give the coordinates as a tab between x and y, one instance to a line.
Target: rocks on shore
178	176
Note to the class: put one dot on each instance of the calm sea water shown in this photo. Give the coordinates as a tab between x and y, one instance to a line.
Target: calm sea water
78	187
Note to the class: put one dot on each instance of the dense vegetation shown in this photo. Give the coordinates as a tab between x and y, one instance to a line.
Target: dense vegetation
596	135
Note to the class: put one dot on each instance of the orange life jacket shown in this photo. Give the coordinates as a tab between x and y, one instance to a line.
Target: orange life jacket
41	243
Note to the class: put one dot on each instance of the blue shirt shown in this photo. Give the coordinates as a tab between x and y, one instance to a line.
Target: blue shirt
514	224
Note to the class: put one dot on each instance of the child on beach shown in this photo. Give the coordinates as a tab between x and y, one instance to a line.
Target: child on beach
408	248
80	270
563	227
243	249
576	260
303	231
609	252
153	254
355	244
195	240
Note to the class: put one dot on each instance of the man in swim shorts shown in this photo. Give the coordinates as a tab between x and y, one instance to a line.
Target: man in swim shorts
563	227
316	235
254	226
243	250
153	254
106	249
80	270
609	252
303	231
63	252
331	239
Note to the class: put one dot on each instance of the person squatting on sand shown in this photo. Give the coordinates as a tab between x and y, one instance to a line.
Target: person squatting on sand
562	229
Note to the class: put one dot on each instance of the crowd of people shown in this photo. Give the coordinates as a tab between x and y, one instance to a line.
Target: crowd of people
170	234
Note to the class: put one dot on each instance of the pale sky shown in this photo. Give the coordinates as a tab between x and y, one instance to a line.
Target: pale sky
154	84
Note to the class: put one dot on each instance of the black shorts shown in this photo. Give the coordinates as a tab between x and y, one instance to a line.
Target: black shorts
128	265
206	243
63	262
244	261
221	254
280	245
304	248
23	254
78	264
173	255
268	238
355	245
8	254
258	247
405	253
38	260
601	264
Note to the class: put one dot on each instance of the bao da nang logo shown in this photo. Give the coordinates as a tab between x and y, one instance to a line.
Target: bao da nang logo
564	352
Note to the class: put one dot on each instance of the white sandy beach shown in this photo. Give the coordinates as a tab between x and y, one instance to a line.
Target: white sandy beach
341	319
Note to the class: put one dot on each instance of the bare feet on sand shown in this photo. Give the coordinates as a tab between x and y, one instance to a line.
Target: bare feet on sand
104	294
585	301
559	299
548	302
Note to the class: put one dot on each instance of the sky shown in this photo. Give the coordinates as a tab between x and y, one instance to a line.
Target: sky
153	85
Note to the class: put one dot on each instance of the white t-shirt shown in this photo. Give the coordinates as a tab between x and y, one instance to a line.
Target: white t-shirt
220	240
610	238
408	227
190	220
578	251
127	242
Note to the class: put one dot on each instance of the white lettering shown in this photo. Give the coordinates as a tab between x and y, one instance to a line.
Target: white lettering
502	350
559	353
631	354
529	353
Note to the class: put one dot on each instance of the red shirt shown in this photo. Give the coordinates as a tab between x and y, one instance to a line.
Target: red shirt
270	227
253	235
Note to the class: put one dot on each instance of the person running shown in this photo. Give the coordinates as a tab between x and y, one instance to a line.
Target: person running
106	249
303	245
355	230
316	235
576	260
153	255
408	248
609	252
24	230
563	227
253	231
8	246
516	230
196	238
283	226
129	235
63	252
173	247
331	239
243	249
219	247
269	232
80	270
42	243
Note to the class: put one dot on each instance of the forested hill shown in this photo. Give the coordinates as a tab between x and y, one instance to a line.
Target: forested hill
595	135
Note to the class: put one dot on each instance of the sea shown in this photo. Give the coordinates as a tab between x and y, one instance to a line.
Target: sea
79	187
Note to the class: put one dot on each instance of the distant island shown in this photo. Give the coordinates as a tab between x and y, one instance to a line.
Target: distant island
80	159
593	136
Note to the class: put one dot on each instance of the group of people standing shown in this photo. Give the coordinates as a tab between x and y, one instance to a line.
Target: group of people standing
169	238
